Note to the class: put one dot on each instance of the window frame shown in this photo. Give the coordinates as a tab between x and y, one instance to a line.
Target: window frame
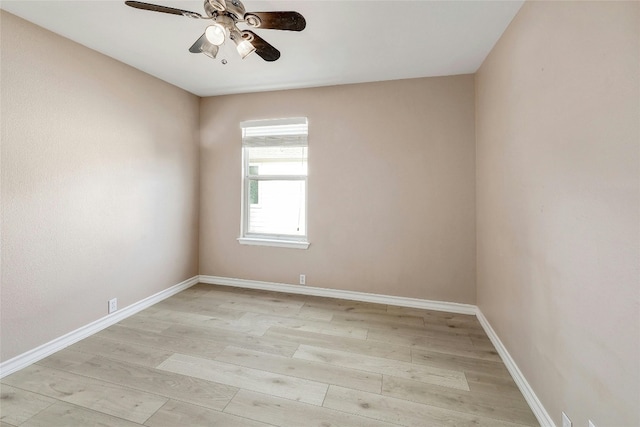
271	239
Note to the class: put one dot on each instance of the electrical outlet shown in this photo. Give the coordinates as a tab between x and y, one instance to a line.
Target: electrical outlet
113	305
591	424
303	279
566	422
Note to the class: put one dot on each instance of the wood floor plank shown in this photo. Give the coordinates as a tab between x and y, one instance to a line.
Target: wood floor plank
167	314
282	301
503	386
321	372
330	307
259	321
254	323
17	405
101	396
370	348
420	312
454	321
63	414
378	322
402	412
460	363
477	334
141	323
384	366
198	306
427	330
123	351
483	405
257	380
423	340
64	359
181	414
265	294
460	346
287	413
172	343
354	318
345	306
315	314
221	296
224	337
465	321
206	321
482	342
171	386
256	307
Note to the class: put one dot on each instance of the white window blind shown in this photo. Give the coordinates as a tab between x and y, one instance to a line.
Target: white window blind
277	132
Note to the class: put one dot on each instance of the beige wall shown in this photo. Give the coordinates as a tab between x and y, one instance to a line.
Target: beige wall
391	188
558	219
99	185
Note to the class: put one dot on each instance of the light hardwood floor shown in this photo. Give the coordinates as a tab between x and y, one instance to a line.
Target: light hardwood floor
219	356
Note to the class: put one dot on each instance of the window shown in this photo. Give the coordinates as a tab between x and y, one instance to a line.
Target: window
274	191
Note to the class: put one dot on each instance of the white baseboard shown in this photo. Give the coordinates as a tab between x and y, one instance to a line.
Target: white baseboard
451	307
539	411
38	353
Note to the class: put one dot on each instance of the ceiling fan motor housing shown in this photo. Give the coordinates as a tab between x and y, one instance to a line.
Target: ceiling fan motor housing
234	8
227	22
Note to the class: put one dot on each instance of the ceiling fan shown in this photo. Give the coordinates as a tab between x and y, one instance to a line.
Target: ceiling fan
226	14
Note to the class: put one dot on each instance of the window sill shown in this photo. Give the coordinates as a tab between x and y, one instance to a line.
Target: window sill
292	244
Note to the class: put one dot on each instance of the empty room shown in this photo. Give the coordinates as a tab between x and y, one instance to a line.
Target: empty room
319	213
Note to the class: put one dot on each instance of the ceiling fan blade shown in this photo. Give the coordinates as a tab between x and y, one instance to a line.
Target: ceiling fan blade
263	49
164	9
290	21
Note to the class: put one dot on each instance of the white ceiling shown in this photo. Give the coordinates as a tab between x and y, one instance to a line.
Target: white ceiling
344	42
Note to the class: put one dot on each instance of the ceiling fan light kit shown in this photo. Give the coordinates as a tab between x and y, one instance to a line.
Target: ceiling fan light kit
226	15
215	34
210	50
243	46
